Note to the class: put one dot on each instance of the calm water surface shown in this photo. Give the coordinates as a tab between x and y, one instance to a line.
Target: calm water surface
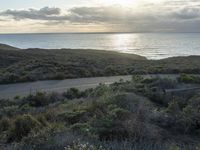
150	45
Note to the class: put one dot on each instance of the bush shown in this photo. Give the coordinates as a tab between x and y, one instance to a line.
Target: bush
100	90
191	114
167	83
82	127
173	108
189	79
121	101
40	99
73	93
60	76
156	95
148	80
110	126
137	78
78	145
174	148
111	116
4	124
73	117
22	126
17	97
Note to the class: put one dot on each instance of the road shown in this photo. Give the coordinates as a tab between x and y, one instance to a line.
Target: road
24	89
182	90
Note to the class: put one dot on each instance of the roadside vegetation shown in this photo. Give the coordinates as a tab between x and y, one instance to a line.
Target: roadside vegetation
40	64
189	79
142	114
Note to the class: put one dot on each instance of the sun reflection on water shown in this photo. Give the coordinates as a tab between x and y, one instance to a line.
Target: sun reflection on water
124	42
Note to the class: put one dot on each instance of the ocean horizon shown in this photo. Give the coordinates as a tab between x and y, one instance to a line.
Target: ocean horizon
150	45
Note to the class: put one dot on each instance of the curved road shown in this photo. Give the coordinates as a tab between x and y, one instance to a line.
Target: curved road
23	89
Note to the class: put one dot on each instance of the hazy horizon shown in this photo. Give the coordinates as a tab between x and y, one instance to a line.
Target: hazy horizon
104	16
96	32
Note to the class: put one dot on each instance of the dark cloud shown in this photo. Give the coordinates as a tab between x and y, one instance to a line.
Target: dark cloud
187	13
115	14
45	13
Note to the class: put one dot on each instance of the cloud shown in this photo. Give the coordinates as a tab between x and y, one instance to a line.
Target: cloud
149	17
98	14
45	13
187	13
109	14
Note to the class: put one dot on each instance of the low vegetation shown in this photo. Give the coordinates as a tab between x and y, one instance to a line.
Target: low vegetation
142	114
189	78
7	47
42	64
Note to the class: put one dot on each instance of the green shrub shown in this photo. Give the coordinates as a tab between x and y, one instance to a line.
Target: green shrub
191	114
22	126
174	148
10	110
5	124
120	100
25	108
197	148
39	100
111	124
156	95
17	97
78	145
73	117
189	78
42	120
148	80
50	115
60	76
73	93
173	108
100	90
137	78
82	127
166	83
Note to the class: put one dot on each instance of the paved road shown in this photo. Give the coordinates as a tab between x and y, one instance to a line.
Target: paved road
182	89
23	89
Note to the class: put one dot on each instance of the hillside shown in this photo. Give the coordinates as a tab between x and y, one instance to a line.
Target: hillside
7	47
44	64
141	114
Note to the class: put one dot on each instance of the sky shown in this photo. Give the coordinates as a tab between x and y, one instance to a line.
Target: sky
41	16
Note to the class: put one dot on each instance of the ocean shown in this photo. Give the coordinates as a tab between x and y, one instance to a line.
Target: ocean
150	45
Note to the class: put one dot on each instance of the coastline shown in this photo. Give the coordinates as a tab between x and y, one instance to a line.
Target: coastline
151	45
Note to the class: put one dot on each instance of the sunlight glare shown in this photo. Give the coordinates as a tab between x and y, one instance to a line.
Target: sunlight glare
121	42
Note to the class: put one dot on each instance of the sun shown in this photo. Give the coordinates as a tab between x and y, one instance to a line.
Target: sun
129	3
